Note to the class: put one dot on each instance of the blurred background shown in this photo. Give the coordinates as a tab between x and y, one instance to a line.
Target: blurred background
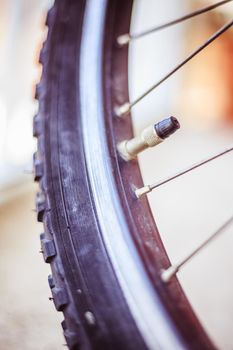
187	211
28	318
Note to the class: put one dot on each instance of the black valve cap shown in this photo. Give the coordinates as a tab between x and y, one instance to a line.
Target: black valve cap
166	127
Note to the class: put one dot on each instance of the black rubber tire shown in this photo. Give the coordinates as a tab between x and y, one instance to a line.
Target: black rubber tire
83	283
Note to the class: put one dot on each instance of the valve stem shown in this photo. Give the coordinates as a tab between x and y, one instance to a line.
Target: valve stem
149	137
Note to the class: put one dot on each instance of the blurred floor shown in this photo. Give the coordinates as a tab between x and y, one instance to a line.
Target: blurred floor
28	319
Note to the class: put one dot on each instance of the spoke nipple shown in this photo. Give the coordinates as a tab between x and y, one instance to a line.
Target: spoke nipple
123	40
167	274
123	110
139	192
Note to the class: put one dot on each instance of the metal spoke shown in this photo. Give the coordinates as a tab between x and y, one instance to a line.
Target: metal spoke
167	274
148	188
126	107
124	39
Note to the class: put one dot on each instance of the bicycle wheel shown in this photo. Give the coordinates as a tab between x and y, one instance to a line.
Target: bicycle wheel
102	243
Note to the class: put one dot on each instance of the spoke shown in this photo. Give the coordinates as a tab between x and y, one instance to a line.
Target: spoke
167	274
148	188
126	38
126	107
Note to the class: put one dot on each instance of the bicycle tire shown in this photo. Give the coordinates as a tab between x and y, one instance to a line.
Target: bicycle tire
86	283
